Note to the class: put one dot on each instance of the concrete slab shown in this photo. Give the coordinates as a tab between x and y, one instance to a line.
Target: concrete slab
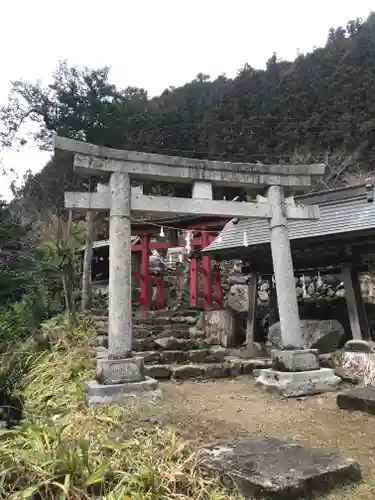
295	384
298	360
98	394
269	468
358	399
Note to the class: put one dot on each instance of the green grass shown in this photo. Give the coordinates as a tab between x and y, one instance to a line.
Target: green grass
66	451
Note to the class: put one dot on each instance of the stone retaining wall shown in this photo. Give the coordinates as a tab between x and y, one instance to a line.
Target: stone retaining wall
235	290
308	289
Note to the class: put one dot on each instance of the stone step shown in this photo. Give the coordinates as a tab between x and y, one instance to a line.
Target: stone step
100	312
139	315
103	324
160	328
157	343
99	320
166	321
144	333
180	369
211	355
99	341
226	369
168	344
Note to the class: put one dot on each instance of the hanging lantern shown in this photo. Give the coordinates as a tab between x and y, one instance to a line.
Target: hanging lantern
245	243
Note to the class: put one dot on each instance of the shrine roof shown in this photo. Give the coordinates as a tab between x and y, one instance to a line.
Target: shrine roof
343	211
105	243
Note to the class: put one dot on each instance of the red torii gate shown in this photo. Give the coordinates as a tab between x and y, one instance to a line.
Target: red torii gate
204	232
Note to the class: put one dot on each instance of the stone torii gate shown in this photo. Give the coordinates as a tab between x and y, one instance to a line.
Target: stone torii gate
121	374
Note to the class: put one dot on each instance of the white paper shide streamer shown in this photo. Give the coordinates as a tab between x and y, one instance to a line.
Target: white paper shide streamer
188	242
245	242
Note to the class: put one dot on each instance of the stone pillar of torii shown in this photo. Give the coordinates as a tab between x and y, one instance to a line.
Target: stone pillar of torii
121	374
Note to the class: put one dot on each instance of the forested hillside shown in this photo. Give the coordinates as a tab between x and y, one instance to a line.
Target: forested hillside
319	107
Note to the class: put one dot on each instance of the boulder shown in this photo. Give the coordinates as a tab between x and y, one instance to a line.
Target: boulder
360	365
263	295
221	328
347	375
171	343
324	335
311	289
238	298
237	280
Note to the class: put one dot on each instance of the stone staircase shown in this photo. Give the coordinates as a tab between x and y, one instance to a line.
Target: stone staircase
174	347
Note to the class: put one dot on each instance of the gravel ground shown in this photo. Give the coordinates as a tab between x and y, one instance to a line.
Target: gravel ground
212	411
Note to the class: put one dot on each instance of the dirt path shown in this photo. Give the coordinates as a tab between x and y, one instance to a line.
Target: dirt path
225	409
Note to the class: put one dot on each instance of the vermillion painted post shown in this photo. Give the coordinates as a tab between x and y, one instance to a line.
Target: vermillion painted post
207	275
193	282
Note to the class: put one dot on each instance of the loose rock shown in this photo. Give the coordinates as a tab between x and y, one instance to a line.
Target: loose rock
324	335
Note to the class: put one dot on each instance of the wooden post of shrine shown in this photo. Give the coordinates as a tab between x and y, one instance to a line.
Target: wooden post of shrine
218	288
202	191
145	273
356	309
252	288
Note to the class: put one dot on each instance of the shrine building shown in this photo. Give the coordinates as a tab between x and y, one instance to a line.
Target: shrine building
341	242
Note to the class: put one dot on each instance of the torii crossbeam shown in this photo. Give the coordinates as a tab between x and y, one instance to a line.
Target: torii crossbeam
120	368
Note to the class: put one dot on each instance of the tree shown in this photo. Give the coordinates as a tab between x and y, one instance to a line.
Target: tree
86	300
60	242
16	257
318	107
80	104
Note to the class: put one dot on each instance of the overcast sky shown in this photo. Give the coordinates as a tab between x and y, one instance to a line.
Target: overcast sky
155	43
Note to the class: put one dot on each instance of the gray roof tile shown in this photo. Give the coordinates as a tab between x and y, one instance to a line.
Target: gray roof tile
341	211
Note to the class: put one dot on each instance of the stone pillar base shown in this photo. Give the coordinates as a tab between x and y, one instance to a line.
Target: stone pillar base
100	394
294	384
119	371
295	360
118	380
296	372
